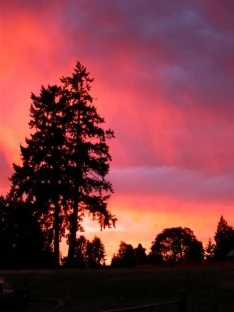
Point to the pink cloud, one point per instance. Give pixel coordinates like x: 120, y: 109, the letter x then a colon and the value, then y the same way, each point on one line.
x: 163, y: 80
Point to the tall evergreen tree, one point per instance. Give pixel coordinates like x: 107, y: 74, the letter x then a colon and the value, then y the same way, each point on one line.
x: 40, y: 179
x: 88, y: 155
x: 224, y: 239
x: 65, y: 161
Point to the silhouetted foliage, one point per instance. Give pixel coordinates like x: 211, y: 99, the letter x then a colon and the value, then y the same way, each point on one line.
x: 88, y: 157
x: 140, y: 254
x: 224, y: 239
x: 23, y: 244
x: 88, y: 254
x: 40, y: 179
x: 155, y: 258
x: 5, y: 234
x: 80, y: 252
x: 65, y: 161
x: 95, y: 253
x: 125, y: 258
x: 80, y: 259
x: 209, y: 250
x: 177, y: 245
x: 196, y: 251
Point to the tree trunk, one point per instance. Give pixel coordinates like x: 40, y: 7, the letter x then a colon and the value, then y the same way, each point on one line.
x: 56, y: 235
x: 72, y: 236
x: 74, y: 225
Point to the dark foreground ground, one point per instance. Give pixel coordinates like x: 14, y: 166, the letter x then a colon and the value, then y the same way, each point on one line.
x: 83, y: 307
x: 209, y: 289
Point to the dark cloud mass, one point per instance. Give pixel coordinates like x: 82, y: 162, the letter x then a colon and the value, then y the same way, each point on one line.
x: 180, y: 183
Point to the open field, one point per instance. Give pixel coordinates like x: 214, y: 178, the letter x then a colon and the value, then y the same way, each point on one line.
x: 209, y: 289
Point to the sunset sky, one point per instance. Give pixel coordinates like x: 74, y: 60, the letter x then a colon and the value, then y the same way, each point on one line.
x: 164, y: 81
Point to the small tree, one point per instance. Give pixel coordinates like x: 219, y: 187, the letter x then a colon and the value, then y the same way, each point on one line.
x: 140, y: 255
x: 177, y: 245
x: 88, y: 254
x: 209, y: 250
x: 116, y: 262
x: 95, y: 253
x: 81, y: 252
x: 196, y: 251
x: 224, y: 239
x: 25, y: 244
x: 125, y: 256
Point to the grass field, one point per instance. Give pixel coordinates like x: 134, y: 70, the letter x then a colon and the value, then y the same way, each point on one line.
x: 209, y: 289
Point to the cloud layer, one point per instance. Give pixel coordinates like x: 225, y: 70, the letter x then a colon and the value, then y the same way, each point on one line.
x: 164, y: 76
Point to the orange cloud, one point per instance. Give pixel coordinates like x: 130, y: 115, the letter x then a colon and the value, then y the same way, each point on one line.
x: 164, y: 82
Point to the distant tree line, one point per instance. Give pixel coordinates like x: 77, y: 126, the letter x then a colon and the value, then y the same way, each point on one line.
x: 24, y: 244
x: 178, y: 245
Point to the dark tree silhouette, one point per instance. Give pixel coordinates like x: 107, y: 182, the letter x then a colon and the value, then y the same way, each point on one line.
x: 31, y: 250
x: 80, y: 259
x: 65, y: 161
x: 155, y: 258
x: 177, y: 245
x: 224, y: 239
x: 209, y: 250
x: 88, y: 155
x: 116, y: 262
x: 140, y: 254
x: 88, y: 254
x: 40, y: 178
x: 95, y: 253
x: 23, y: 244
x: 196, y: 251
x: 125, y: 257
x: 5, y: 235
